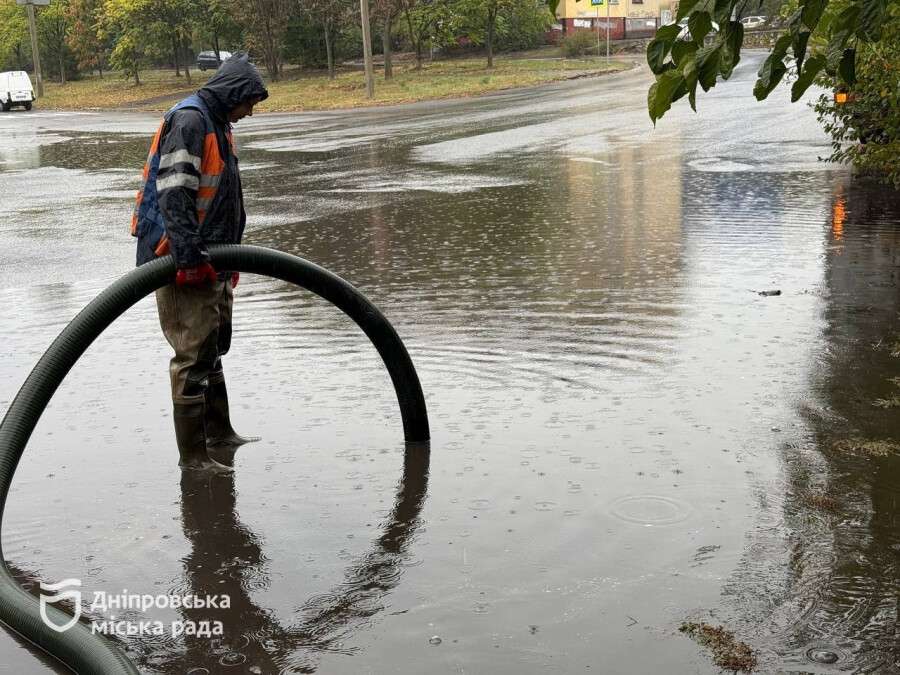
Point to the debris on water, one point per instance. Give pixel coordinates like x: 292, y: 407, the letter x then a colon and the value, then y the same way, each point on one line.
x: 870, y: 448
x: 776, y: 291
x: 728, y: 652
x: 256, y: 670
x: 435, y: 640
x: 892, y: 402
x: 822, y: 656
x: 532, y: 629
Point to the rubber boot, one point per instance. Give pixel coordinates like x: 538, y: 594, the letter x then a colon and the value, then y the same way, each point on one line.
x: 219, y: 432
x: 190, y: 434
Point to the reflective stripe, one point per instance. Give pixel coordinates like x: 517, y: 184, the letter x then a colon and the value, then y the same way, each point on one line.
x: 204, y: 204
x: 172, y: 158
x: 178, y: 180
x: 210, y: 180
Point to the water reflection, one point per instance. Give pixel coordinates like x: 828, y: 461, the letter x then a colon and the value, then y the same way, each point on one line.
x: 837, y: 515
x: 228, y: 558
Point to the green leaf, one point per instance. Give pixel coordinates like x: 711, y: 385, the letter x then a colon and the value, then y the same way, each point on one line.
x: 552, y: 5
x: 834, y: 52
x: 684, y: 9
x: 657, y: 51
x: 690, y: 80
x: 659, y: 47
x: 680, y: 91
x: 813, y: 65
x: 871, y: 19
x: 731, y: 49
x: 798, y: 45
x: 780, y: 48
x: 847, y: 67
x: 722, y: 11
x: 683, y: 49
x: 708, y: 66
x: 847, y: 20
x: 668, y: 33
x: 770, y: 74
x: 811, y: 12
x: 659, y: 98
x: 699, y: 25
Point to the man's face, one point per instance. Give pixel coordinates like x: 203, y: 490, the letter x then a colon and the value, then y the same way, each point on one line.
x: 242, y: 110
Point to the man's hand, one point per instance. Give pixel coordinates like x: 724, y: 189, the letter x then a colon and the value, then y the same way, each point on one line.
x: 196, y: 276
x: 235, y: 278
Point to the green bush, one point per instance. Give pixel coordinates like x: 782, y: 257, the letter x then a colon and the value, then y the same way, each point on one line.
x: 865, y: 131
x: 579, y: 43
x: 523, y: 26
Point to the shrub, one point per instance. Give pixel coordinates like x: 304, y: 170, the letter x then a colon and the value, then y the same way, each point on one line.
x: 579, y: 43
x: 865, y: 131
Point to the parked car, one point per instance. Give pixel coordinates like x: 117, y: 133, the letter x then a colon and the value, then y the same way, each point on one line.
x: 15, y: 89
x: 754, y: 21
x: 206, y: 60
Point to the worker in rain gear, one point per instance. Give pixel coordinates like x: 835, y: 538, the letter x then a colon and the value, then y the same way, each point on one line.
x: 190, y: 197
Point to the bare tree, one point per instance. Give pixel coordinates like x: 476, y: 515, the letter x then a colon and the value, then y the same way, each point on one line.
x: 386, y: 12
x: 328, y: 14
x: 266, y: 23
x: 422, y: 17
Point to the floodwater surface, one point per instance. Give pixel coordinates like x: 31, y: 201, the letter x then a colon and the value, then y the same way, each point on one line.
x: 627, y: 435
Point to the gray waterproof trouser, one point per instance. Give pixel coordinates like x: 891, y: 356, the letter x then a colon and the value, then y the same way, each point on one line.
x: 197, y: 324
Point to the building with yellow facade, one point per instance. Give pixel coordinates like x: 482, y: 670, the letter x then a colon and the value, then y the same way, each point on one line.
x: 626, y: 18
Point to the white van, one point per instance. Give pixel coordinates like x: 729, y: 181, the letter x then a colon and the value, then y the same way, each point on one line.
x: 15, y: 89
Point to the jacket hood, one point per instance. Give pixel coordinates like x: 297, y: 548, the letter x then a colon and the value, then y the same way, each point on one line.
x: 237, y: 80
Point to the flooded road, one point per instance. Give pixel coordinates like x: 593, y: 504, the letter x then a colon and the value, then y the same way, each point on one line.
x: 626, y: 434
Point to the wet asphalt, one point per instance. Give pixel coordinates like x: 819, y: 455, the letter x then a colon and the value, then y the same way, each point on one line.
x: 626, y: 434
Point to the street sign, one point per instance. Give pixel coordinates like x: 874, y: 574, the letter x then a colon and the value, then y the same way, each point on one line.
x: 32, y: 2
x: 594, y: 3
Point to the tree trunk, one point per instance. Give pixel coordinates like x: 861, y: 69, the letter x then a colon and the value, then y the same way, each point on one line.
x: 329, y: 49
x: 187, y: 60
x: 386, y: 48
x: 492, y: 19
x: 417, y: 40
x: 175, y: 56
x: 62, y: 67
x: 216, y: 46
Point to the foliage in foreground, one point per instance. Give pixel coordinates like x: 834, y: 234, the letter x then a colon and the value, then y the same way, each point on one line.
x: 848, y: 45
x: 821, y: 36
x: 865, y: 131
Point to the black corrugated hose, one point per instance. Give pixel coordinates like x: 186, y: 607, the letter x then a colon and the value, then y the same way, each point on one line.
x: 78, y: 648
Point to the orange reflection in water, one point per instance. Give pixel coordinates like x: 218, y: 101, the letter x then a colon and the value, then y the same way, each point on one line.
x: 838, y: 214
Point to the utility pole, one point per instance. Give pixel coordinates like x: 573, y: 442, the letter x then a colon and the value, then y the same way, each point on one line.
x: 607, y: 32
x: 35, y: 56
x: 367, y: 48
